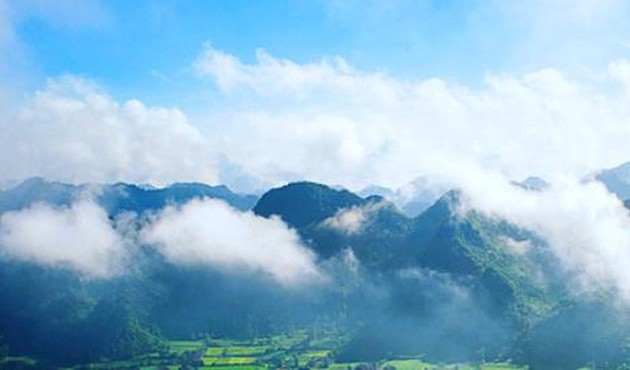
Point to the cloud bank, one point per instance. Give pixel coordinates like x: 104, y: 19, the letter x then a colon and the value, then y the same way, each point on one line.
x: 73, y: 131
x: 200, y: 233
x: 80, y: 237
x: 324, y: 121
x: 587, y: 228
x: 209, y: 232
x: 332, y: 123
x: 327, y: 121
x: 358, y: 128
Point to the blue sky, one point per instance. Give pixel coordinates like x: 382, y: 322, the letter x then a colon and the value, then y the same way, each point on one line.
x: 418, y: 39
x: 129, y: 45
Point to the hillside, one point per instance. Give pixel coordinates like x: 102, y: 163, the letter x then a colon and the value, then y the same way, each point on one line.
x: 439, y: 239
x: 448, y: 283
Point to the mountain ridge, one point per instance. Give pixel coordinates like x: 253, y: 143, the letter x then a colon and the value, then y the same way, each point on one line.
x: 117, y: 197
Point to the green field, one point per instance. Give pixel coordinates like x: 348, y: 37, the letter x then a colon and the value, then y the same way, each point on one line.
x: 343, y: 366
x: 235, y: 367
x: 421, y: 365
x: 289, y: 351
x: 228, y: 361
x: 181, y: 346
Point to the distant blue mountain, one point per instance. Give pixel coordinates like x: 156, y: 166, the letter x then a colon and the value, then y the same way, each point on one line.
x: 533, y: 183
x: 617, y: 180
x: 116, y: 198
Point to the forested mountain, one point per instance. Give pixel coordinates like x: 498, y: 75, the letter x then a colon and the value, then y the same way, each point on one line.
x: 617, y: 180
x: 448, y: 283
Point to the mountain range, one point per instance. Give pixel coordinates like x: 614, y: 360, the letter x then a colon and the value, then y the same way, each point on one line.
x: 116, y: 198
x: 446, y: 282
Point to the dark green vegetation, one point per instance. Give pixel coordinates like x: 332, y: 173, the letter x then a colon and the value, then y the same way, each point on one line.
x: 301, y: 349
x: 304, y: 203
x: 448, y: 286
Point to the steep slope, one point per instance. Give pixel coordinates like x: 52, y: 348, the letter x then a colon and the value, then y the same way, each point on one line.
x: 375, y: 231
x: 617, y: 180
x: 508, y: 261
x: 35, y: 190
x: 501, y: 259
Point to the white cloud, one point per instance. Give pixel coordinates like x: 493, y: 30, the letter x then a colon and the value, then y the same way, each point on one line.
x: 209, y: 232
x: 202, y: 232
x: 272, y: 75
x: 343, y: 126
x: 587, y: 227
x: 349, y: 221
x: 517, y: 247
x: 73, y: 131
x: 573, y: 34
x: 584, y: 13
x: 329, y: 122
x: 326, y: 121
x: 352, y: 220
x: 79, y: 237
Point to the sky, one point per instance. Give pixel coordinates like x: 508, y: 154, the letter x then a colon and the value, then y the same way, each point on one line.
x: 351, y: 93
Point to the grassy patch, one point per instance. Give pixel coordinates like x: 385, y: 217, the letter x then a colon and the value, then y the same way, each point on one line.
x: 180, y: 346
x: 343, y: 365
x: 502, y: 367
x: 234, y: 368
x: 246, y: 350
x: 421, y: 365
x: 19, y: 359
x: 408, y: 364
x: 228, y: 361
x: 215, y: 351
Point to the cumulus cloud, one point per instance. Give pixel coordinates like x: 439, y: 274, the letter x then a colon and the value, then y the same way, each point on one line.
x: 276, y: 76
x: 325, y: 121
x: 79, y: 237
x: 329, y: 122
x: 355, y: 128
x: 73, y: 131
x: 209, y: 232
x: 587, y: 228
x: 202, y: 232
